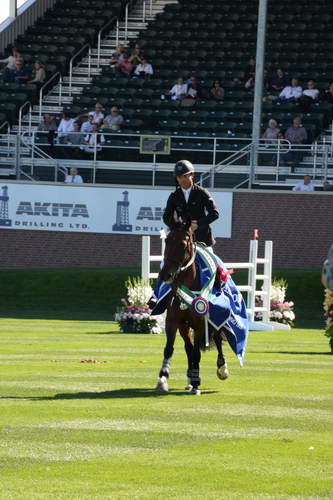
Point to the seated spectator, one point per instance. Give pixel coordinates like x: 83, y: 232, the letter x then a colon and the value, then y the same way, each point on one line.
x: 309, y: 96
x: 304, y: 185
x: 93, y: 139
x: 75, y: 140
x: 98, y: 115
x: 114, y: 121
x: 292, y: 92
x: 327, y: 186
x: 125, y: 67
x: 17, y: 75
x: 280, y: 158
x: 279, y: 80
x: 65, y: 127
x: 119, y: 53
x: 271, y: 133
x: 193, y: 92
x: 136, y: 57
x: 144, y: 69
x: 73, y: 177
x: 11, y: 60
x: 250, y: 70
x: 296, y: 134
x: 49, y: 126
x: 38, y: 74
x: 179, y: 90
x: 328, y: 94
x: 87, y: 125
x: 217, y: 91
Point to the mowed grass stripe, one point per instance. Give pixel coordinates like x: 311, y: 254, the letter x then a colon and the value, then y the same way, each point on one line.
x: 72, y: 430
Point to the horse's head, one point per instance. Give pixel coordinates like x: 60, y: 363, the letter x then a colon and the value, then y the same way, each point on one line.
x: 178, y: 253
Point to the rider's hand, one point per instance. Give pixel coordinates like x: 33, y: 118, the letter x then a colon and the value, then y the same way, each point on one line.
x: 194, y: 225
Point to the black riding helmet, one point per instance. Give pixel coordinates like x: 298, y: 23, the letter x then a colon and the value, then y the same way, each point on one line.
x: 183, y: 167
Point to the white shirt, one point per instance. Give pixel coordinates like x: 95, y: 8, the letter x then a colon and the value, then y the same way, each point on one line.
x: 187, y: 193
x: 146, y: 68
x: 65, y: 127
x: 75, y: 179
x: 311, y: 93
x: 86, y: 127
x: 91, y: 139
x: 177, y: 90
x: 303, y: 187
x: 289, y: 92
x: 11, y: 62
x: 97, y: 117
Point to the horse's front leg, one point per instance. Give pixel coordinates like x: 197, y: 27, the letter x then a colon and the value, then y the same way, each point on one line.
x: 194, y: 372
x: 184, y: 331
x: 222, y: 369
x: 170, y: 330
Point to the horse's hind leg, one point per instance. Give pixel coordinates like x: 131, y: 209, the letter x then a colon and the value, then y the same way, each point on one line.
x: 162, y: 382
x: 222, y: 369
x: 184, y: 331
x: 194, y: 372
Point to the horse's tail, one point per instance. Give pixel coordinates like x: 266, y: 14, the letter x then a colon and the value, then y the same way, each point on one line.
x: 211, y: 343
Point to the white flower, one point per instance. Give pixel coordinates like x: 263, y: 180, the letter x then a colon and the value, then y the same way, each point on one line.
x: 276, y: 315
x: 278, y: 293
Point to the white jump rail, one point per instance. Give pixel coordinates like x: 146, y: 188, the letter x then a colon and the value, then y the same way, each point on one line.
x: 250, y: 289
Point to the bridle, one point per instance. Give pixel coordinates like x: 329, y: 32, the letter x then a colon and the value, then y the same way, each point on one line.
x: 190, y: 246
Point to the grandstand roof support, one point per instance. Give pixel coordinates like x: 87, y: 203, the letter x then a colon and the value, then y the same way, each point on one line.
x: 258, y: 88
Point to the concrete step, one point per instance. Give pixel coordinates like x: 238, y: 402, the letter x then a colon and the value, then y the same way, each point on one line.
x: 136, y: 25
x: 83, y: 71
x: 122, y: 34
x: 55, y: 99
x: 81, y: 80
x: 65, y: 90
x: 94, y: 61
x: 25, y: 128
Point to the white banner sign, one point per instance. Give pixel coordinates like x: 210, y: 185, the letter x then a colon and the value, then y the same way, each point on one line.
x: 93, y: 209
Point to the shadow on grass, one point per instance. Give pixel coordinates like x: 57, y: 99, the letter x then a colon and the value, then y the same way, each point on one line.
x: 117, y: 394
x: 302, y: 353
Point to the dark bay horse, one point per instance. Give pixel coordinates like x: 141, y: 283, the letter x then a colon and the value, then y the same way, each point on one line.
x: 180, y: 269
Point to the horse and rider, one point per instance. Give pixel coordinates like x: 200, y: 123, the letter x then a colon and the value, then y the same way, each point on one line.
x: 201, y: 300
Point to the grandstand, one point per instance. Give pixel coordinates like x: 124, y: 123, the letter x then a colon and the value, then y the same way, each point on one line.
x: 211, y: 40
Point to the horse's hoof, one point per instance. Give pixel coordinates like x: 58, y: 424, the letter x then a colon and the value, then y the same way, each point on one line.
x: 162, y: 385
x: 195, y: 392
x: 189, y: 387
x: 222, y: 372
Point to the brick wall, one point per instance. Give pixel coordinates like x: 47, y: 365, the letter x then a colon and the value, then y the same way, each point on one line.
x: 300, y: 225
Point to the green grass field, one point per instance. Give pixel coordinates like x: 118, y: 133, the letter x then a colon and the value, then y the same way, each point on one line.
x: 76, y: 430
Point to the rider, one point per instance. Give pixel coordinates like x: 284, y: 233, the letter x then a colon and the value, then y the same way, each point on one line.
x: 191, y: 201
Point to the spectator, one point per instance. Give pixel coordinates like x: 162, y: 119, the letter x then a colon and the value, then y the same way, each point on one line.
x: 98, y: 115
x: 38, y: 74
x: 87, y: 125
x: 114, y: 121
x: 136, y: 57
x: 217, y: 91
x: 17, y: 75
x: 125, y: 67
x: 144, y: 69
x: 93, y: 139
x: 119, y: 53
x: 65, y: 127
x: 271, y: 133
x: 327, y: 186
x: 328, y: 95
x: 304, y: 185
x: 75, y: 140
x: 296, y: 134
x: 292, y: 92
x: 49, y: 126
x: 279, y: 80
x: 250, y: 70
x: 280, y: 158
x: 73, y: 177
x: 11, y: 60
x: 179, y: 90
x: 310, y: 95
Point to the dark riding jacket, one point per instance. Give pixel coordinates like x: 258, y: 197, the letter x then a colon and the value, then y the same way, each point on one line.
x: 200, y: 207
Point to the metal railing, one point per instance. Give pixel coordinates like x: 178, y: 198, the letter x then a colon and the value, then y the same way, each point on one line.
x: 86, y: 46
x: 46, y: 84
x: 8, y: 126
x: 272, y: 163
x: 25, y: 18
x: 99, y: 38
x: 24, y: 105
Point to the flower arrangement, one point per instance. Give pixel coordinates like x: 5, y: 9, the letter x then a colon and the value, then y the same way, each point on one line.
x: 281, y: 311
x: 133, y: 316
x: 328, y: 308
